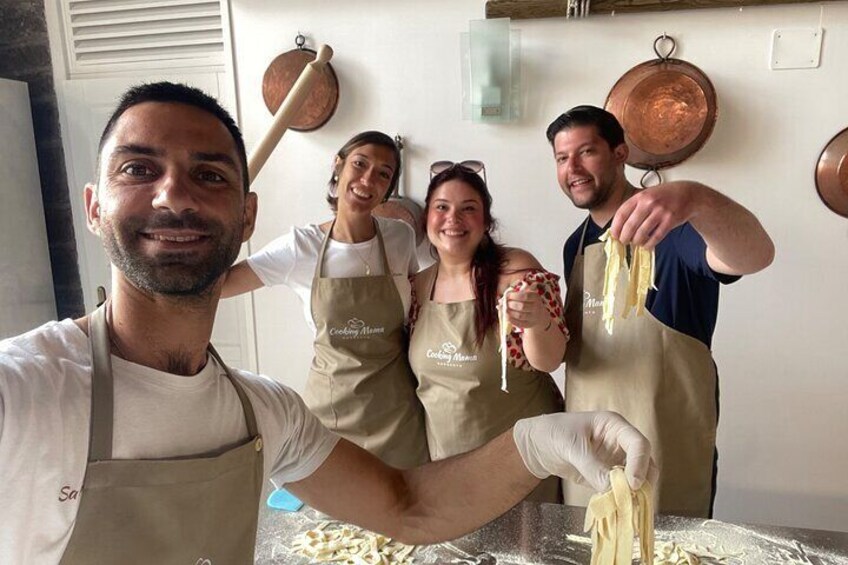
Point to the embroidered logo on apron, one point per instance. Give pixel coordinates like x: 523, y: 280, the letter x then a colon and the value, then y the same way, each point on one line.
x: 356, y: 329
x: 448, y: 356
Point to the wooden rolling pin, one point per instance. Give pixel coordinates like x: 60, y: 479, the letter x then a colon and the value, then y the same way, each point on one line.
x: 287, y: 111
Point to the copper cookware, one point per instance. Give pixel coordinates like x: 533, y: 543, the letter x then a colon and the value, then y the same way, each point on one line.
x: 667, y: 108
x: 832, y: 174
x: 402, y: 208
x: 281, y: 76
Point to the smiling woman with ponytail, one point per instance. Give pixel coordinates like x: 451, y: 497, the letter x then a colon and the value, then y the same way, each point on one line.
x: 350, y: 273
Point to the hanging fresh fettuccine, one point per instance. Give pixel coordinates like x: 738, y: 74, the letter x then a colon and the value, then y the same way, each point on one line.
x: 505, y: 329
x: 615, y: 516
x: 640, y: 278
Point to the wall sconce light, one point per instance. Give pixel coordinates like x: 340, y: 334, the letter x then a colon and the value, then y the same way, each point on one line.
x: 490, y: 63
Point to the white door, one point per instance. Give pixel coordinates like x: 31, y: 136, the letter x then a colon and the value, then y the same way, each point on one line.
x: 88, y: 104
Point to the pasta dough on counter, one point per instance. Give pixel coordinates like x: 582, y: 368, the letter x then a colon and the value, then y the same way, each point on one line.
x: 615, y: 516
x: 342, y: 543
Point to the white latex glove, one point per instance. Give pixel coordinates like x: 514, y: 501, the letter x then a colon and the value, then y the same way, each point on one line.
x: 583, y: 447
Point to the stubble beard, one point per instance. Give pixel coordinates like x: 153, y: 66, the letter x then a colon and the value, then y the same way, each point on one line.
x: 171, y: 274
x: 599, y: 197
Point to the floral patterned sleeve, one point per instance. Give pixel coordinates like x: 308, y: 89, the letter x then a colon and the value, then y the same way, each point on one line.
x: 547, y: 285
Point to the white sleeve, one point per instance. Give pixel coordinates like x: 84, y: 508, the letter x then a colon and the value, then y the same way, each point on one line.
x: 306, y: 445
x: 295, y: 440
x: 414, y: 267
x: 274, y: 262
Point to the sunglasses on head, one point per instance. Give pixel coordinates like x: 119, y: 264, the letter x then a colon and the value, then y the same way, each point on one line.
x: 472, y: 166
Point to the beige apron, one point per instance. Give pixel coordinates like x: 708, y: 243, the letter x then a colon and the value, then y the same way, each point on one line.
x: 360, y: 384
x: 182, y: 510
x: 663, y: 381
x: 459, y: 382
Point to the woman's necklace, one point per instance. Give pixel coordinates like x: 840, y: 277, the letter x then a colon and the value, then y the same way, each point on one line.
x: 365, y: 261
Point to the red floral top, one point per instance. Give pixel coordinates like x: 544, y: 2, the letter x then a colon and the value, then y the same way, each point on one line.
x: 543, y: 282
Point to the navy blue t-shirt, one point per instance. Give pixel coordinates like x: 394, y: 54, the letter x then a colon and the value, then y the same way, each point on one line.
x: 686, y: 298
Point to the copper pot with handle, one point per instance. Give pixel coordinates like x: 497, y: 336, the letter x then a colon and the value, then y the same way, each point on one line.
x: 667, y: 108
x: 280, y: 77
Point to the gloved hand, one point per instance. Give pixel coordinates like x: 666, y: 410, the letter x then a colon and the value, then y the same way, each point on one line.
x: 583, y: 447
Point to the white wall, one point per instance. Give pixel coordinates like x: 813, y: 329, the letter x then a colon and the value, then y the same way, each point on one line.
x: 782, y: 334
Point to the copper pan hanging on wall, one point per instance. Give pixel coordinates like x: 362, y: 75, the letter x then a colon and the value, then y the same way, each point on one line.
x: 281, y: 76
x: 832, y: 174
x: 667, y: 108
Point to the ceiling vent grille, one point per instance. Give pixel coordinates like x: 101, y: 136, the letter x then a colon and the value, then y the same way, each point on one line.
x: 123, y: 35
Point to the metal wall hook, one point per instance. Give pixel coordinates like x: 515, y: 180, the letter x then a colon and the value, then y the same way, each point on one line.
x: 662, y: 38
x: 300, y: 40
x: 644, y: 180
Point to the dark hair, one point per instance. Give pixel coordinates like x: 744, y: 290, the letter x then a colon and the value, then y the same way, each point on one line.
x: 607, y: 125
x: 489, y: 257
x: 166, y: 92
x: 365, y: 138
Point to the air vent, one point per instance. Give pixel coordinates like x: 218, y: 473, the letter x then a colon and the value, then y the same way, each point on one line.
x: 120, y: 35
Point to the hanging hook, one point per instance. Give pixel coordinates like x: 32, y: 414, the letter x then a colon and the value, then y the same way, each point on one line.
x: 299, y: 40
x: 644, y: 180
x: 662, y: 38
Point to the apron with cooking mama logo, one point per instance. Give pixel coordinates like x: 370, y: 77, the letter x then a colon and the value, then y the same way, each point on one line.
x: 360, y: 384
x: 199, y: 509
x: 661, y: 380
x: 459, y: 382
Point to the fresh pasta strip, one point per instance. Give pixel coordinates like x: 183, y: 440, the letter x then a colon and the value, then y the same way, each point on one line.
x: 616, y: 258
x: 614, y: 517
x: 342, y: 543
x: 505, y: 329
x: 640, y: 278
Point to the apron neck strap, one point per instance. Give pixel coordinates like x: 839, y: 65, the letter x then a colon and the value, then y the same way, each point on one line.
x: 430, y: 283
x: 102, y: 389
x: 249, y: 416
x: 583, y: 235
x: 102, y: 394
x: 319, y: 266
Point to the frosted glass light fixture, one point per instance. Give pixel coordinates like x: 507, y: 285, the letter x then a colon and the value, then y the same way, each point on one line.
x: 490, y: 65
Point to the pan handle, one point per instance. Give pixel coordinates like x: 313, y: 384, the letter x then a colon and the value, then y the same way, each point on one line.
x: 399, y: 144
x: 663, y: 38
x: 657, y: 176
x: 288, y: 111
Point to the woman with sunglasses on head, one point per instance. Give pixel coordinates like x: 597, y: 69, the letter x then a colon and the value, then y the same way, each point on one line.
x: 351, y: 274
x: 454, y: 328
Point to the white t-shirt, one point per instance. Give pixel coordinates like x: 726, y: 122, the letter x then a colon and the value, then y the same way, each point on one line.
x: 45, y: 406
x: 290, y: 260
